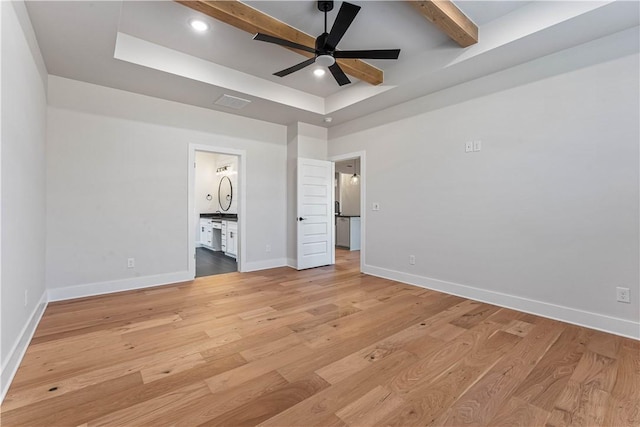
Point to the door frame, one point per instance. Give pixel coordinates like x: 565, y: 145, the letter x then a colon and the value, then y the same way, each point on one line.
x: 362, y: 157
x: 242, y: 217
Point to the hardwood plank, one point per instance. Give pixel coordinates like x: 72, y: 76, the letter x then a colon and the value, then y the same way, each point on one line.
x: 597, y: 370
x: 433, y: 397
x: 171, y: 367
x: 201, y: 410
x: 324, y: 404
x: 241, y: 374
x: 21, y: 395
x: 53, y: 411
x: 519, y: 328
x: 544, y: 384
x: 441, y: 358
x: 517, y: 412
x: 579, y: 405
x: 479, y: 407
x: 623, y: 407
x: 371, y: 407
x: 270, y: 404
x: 475, y: 316
x: 144, y: 413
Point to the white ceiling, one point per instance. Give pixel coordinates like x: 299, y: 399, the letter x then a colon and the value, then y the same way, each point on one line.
x: 160, y: 55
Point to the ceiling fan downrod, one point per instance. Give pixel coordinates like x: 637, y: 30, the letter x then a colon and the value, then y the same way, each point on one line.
x: 325, y: 6
x: 323, y: 57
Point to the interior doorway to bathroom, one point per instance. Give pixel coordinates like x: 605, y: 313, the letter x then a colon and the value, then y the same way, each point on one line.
x: 215, y: 211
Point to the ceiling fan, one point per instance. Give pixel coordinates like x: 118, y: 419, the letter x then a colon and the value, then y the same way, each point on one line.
x: 325, y: 53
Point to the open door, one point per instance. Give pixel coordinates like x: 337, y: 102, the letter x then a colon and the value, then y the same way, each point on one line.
x: 315, y: 213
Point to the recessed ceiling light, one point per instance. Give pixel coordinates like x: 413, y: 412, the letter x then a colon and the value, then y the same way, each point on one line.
x: 319, y: 72
x: 198, y: 25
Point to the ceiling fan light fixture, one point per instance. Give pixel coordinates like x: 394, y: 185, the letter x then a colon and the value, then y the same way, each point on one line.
x: 319, y: 72
x: 325, y: 60
x: 198, y: 25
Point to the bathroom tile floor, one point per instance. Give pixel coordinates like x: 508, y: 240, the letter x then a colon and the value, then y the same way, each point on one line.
x: 209, y: 262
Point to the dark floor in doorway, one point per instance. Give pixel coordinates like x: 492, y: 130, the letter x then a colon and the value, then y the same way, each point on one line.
x: 210, y: 262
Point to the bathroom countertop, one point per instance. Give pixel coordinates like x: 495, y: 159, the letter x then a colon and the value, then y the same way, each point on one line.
x: 221, y: 216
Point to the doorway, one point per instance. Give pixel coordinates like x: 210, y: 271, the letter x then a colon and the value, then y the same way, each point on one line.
x: 350, y: 203
x: 216, y: 210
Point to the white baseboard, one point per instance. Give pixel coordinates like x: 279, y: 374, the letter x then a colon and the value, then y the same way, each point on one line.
x: 263, y: 265
x: 614, y: 325
x: 100, y: 288
x: 10, y: 367
x: 293, y: 263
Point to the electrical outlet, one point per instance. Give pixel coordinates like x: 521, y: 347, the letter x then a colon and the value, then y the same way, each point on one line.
x: 622, y: 295
x: 412, y: 259
x: 375, y: 206
x: 468, y: 146
x: 131, y: 263
x: 477, y: 145
x: 268, y: 248
x: 26, y: 297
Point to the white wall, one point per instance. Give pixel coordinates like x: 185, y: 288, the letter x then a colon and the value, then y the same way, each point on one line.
x: 205, y: 185
x: 543, y: 219
x: 23, y: 187
x: 117, y: 173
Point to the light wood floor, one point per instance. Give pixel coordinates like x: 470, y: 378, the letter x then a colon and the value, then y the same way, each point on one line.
x: 325, y: 347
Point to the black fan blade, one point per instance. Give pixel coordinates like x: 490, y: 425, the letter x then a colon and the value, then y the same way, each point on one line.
x: 339, y: 75
x: 346, y: 15
x: 295, y: 68
x: 282, y: 42
x: 368, y: 54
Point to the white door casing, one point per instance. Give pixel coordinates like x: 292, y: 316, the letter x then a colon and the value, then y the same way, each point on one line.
x: 315, y: 213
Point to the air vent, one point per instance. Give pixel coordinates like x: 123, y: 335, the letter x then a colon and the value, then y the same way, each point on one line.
x: 232, y: 102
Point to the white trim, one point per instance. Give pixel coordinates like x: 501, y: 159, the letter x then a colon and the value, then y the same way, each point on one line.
x: 109, y: 287
x: 242, y: 203
x: 291, y: 262
x: 601, y: 322
x: 265, y: 265
x: 14, y: 358
x: 362, y: 155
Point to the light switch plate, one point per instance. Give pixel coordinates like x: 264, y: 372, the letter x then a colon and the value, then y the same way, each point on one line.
x: 477, y: 145
x: 375, y: 206
x: 468, y: 146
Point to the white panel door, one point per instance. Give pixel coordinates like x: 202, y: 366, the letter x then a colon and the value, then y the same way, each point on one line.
x: 315, y: 213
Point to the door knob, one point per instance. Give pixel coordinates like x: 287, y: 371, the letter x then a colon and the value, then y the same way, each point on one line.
x: 301, y: 219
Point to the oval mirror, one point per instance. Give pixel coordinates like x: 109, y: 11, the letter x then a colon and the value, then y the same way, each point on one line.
x: 225, y: 193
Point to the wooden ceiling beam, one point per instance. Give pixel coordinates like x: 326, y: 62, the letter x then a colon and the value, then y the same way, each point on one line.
x: 244, y: 17
x: 446, y: 16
